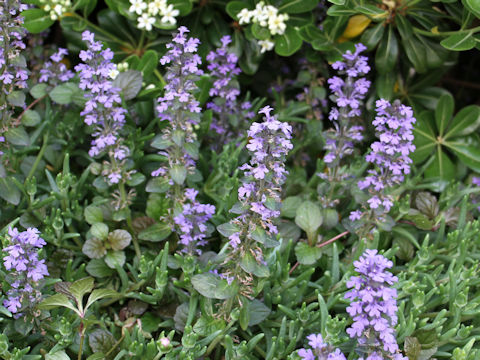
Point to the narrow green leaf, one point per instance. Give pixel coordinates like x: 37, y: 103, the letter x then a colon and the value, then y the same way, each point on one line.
x: 98, y: 294
x: 460, y: 41
x: 465, y: 122
x: 387, y: 52
x: 444, y: 112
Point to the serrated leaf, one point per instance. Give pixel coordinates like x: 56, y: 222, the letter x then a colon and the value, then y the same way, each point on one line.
x: 119, y: 239
x: 130, y: 82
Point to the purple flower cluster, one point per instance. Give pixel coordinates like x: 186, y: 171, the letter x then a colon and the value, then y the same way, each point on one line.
x: 25, y: 267
x: 12, y: 73
x: 373, y: 306
x: 191, y: 222
x: 55, y: 71
x: 320, y: 350
x: 393, y: 125
x: 223, y: 68
x: 103, y: 108
x: 260, y: 192
x: 348, y: 95
x: 178, y: 106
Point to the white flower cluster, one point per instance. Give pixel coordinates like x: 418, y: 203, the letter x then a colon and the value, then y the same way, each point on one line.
x: 266, y: 16
x: 148, y: 11
x: 117, y: 70
x: 56, y: 8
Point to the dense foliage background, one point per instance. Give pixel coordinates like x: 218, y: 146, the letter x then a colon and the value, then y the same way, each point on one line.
x: 130, y: 164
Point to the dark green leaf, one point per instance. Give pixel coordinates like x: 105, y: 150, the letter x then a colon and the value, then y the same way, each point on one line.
x: 288, y: 43
x: 31, y: 118
x: 444, y: 112
x: 55, y: 301
x: 155, y: 233
x: 94, y: 248
x: 473, y: 6
x: 465, y: 122
x: 130, y: 82
x: 234, y: 7
x: 93, y: 214
x: 371, y: 37
x: 460, y: 41
x: 307, y: 255
x: 98, y: 294
x: 119, y: 239
x: 290, y: 206
x: 18, y: 136
x: 36, y: 20
x: 227, y: 229
x: 468, y: 154
x: 258, y: 312
x: 148, y: 63
x: 441, y: 167
x: 16, y: 98
x: 98, y: 268
x: 297, y: 6
x: 114, y: 258
x: 387, y: 52
x: 425, y: 137
x: 213, y: 287
x: 9, y: 191
x: 309, y: 217
x: 99, y: 230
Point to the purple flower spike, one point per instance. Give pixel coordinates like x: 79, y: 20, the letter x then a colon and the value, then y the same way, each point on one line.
x: 192, y: 222
x: 178, y: 105
x: 394, y: 126
x: 55, y: 72
x: 25, y: 267
x: 103, y: 108
x: 348, y: 95
x: 223, y: 68
x: 373, y: 306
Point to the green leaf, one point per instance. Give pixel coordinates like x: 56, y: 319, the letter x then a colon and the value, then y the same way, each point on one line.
x: 420, y: 220
x: 55, y: 301
x: 18, y: 136
x: 260, y: 235
x: 460, y: 41
x: 441, y: 167
x: 297, y: 6
x: 213, y: 287
x: 387, y: 52
x: 31, y: 118
x: 260, y: 32
x: 290, y: 206
x: 63, y: 94
x: 79, y: 288
x: 227, y: 229
x: 156, y: 232
x: 157, y: 185
x: 93, y: 214
x: 39, y: 90
x: 98, y: 268
x: 444, y: 112
x: 58, y: 355
x: 473, y: 6
x: 119, y: 239
x: 250, y: 265
x: 9, y: 191
x: 465, y: 122
x: 425, y: 137
x: 468, y: 154
x: 258, y: 312
x: 94, y: 248
x: 36, y: 20
x: 307, y: 255
x: 178, y: 174
x: 114, y: 258
x: 130, y: 82
x: 98, y: 294
x: 309, y: 218
x: 371, y: 37
x: 99, y: 230
x: 234, y: 7
x: 16, y: 98
x: 288, y: 43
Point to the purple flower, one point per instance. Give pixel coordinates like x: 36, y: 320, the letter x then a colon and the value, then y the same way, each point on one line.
x: 348, y: 95
x: 55, y: 71
x: 178, y: 105
x: 320, y: 350
x: 191, y: 222
x: 373, y: 305
x: 269, y: 144
x: 103, y: 108
x: 393, y: 125
x: 25, y: 267
x: 222, y: 65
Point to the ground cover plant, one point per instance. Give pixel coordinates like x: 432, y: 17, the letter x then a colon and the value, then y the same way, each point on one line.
x: 291, y: 179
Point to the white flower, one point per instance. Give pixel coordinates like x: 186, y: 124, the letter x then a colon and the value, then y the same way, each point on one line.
x: 244, y: 16
x: 169, y: 15
x: 145, y: 22
x: 276, y: 25
x: 58, y: 9
x: 157, y: 6
x: 266, y: 45
x: 270, y: 10
x: 137, y: 6
x: 113, y: 73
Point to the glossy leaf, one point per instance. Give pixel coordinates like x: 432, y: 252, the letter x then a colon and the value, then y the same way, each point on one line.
x: 36, y: 20
x: 460, y: 41
x: 288, y: 43
x: 441, y: 167
x: 297, y: 6
x: 213, y: 287
x: 387, y: 52
x: 465, y: 122
x: 444, y: 112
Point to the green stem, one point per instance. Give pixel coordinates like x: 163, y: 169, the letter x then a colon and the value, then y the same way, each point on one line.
x: 39, y: 156
x: 82, y: 339
x: 160, y: 77
x: 123, y: 195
